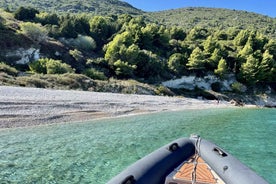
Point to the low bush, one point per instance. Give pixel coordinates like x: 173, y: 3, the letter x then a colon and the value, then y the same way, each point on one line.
x: 38, y: 66
x: 164, y: 91
x: 62, y: 81
x: 81, y: 42
x: 74, y: 81
x: 57, y: 67
x: 32, y: 81
x: 25, y: 13
x: 8, y: 69
x: 95, y: 74
x: 34, y: 31
x: 238, y: 87
x: 50, y: 66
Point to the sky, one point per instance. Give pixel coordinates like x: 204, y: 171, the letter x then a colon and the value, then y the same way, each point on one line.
x: 264, y: 7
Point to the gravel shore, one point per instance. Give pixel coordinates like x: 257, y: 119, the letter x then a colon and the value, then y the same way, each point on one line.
x: 32, y: 106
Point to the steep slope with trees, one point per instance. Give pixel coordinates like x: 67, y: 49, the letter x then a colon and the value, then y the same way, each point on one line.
x: 188, y: 18
x: 89, y: 52
x: 96, y: 7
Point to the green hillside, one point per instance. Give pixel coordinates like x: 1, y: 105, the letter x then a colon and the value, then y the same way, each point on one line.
x: 99, y: 7
x: 54, y: 49
x: 188, y: 18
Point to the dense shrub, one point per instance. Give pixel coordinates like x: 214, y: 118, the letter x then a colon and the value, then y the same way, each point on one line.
x: 38, y: 66
x: 177, y: 63
x: 46, y: 18
x: 81, y: 42
x: 94, y: 74
x: 25, y: 13
x: 57, y: 67
x: 50, y: 66
x: 34, y: 31
x: 67, y: 29
x: 85, y: 43
x: 238, y: 87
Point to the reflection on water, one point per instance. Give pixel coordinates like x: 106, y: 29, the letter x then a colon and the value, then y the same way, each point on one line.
x: 93, y: 152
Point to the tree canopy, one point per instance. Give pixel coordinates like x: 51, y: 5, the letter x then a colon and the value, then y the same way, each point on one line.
x: 131, y: 47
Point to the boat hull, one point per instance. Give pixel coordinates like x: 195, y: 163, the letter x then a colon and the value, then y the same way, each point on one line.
x: 158, y: 167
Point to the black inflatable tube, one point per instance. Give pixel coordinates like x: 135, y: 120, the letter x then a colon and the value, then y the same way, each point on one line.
x: 153, y: 168
x: 230, y: 169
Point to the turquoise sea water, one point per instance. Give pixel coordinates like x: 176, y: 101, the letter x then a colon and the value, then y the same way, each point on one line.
x: 93, y: 152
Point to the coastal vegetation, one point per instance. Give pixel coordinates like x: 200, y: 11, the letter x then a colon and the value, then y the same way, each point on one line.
x: 218, y: 18
x: 96, y: 7
x: 92, y: 51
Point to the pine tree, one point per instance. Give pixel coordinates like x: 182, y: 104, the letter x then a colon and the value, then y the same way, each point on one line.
x: 209, y: 45
x: 101, y: 29
x: 215, y: 57
x: 222, y: 68
x: 117, y: 46
x: 177, y: 63
x: 196, y: 60
x: 250, y: 69
x: 242, y: 37
x: 246, y: 51
x: 67, y: 28
x: 177, y: 33
x: 25, y: 13
x: 271, y: 47
x: 267, y: 68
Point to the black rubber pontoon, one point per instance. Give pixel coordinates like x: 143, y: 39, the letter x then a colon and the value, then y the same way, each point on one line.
x: 157, y: 167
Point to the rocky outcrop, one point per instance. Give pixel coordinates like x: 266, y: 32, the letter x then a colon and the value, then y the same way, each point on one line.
x: 226, y: 90
x: 24, y: 56
x: 236, y: 102
x: 267, y: 100
x: 204, y: 83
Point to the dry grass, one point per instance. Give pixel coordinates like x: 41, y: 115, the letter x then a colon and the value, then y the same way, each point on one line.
x: 81, y: 82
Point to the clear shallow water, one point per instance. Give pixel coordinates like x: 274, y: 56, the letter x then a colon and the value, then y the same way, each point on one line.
x: 93, y: 152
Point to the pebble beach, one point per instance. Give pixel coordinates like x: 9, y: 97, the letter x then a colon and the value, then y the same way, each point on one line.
x: 20, y: 107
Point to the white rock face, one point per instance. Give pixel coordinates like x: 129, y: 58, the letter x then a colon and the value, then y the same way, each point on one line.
x: 266, y: 100
x: 186, y: 82
x: 26, y: 55
x: 191, y: 82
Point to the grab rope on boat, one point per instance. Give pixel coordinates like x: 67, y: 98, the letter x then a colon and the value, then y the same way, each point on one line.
x: 195, y: 161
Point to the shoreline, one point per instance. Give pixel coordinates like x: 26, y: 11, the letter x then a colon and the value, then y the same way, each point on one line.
x: 21, y: 107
